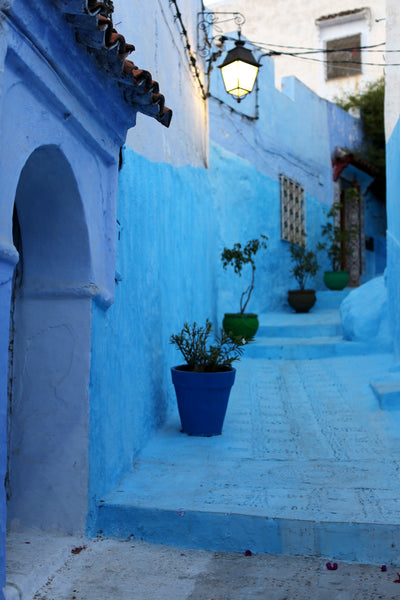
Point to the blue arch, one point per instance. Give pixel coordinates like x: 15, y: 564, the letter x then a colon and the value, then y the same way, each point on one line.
x: 55, y: 240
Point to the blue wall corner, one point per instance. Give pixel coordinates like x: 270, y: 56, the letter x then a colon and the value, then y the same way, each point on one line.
x: 166, y: 248
x: 393, y: 233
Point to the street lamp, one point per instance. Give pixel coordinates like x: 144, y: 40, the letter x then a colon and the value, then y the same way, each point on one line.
x: 239, y: 71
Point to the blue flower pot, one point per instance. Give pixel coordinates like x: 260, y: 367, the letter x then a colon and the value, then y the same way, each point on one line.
x: 202, y: 399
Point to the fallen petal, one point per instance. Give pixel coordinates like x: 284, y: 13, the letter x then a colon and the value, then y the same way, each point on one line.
x: 331, y: 567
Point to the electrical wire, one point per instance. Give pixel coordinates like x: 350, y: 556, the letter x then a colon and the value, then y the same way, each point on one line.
x: 316, y: 50
x: 302, y: 51
x: 188, y: 49
x: 344, y: 62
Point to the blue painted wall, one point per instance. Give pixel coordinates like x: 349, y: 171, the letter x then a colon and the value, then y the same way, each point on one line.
x: 6, y: 271
x: 393, y: 233
x: 166, y: 274
x: 345, y: 131
x: 248, y: 204
x: 290, y: 136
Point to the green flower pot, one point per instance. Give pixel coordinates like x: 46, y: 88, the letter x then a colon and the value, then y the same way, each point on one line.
x: 238, y: 325
x: 336, y: 280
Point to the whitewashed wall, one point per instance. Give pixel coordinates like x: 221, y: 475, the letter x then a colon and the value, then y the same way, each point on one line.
x: 155, y: 33
x: 392, y: 95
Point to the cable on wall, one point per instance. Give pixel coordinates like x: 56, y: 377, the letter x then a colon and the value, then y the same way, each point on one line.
x: 188, y: 48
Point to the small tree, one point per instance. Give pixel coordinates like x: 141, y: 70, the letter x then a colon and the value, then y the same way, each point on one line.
x: 336, y: 244
x: 305, y: 264
x: 370, y: 102
x: 237, y: 257
x: 200, y: 355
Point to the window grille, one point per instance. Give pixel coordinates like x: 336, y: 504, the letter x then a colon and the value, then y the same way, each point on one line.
x: 345, y: 60
x: 292, y: 211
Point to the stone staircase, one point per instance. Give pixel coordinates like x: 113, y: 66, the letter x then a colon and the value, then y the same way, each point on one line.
x: 286, y: 336
x: 317, y: 334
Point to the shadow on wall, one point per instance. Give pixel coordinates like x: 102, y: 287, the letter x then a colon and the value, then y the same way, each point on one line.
x: 51, y: 312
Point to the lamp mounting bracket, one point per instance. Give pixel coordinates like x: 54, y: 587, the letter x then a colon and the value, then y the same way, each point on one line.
x: 210, y: 32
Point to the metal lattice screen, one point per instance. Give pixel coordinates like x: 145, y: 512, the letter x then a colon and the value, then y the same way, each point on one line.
x: 292, y: 211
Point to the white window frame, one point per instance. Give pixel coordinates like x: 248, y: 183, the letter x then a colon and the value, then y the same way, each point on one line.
x: 341, y: 26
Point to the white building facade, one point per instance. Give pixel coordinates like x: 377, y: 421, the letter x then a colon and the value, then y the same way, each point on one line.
x: 289, y: 28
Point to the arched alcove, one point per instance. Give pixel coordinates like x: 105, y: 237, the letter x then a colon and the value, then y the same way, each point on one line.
x: 50, y: 362
x: 52, y: 221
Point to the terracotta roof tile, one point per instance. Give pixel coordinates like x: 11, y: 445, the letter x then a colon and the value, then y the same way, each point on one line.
x: 93, y: 26
x: 344, y: 13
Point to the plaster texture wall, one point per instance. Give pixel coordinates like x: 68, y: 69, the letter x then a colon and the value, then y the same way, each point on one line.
x: 9, y: 258
x: 289, y: 23
x: 50, y: 416
x: 392, y: 125
x: 161, y: 47
x: 6, y: 272
x: 166, y: 275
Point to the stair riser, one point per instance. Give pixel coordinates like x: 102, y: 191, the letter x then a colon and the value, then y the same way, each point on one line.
x: 352, y: 542
x: 308, y: 331
x: 300, y: 352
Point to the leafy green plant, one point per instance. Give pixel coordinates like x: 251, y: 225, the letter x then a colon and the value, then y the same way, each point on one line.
x: 237, y: 257
x: 370, y: 102
x: 202, y: 357
x: 305, y: 264
x: 336, y: 239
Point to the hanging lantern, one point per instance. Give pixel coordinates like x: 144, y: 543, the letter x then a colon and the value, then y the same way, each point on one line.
x: 239, y: 71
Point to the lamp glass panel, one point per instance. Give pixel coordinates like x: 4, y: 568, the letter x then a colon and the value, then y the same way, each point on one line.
x: 239, y: 78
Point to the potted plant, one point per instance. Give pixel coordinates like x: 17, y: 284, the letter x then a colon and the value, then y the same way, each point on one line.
x: 337, y: 247
x: 305, y: 265
x: 203, y: 383
x: 241, y: 324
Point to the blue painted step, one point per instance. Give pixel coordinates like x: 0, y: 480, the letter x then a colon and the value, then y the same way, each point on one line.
x: 313, y: 335
x: 319, y: 323
x: 292, y: 348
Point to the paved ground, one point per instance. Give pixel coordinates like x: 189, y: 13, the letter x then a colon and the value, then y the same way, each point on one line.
x: 132, y: 570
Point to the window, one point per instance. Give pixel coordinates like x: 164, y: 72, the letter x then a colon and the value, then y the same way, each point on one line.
x: 292, y: 211
x: 343, y: 57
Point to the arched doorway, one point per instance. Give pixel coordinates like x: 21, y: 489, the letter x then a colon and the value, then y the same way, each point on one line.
x: 50, y: 361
